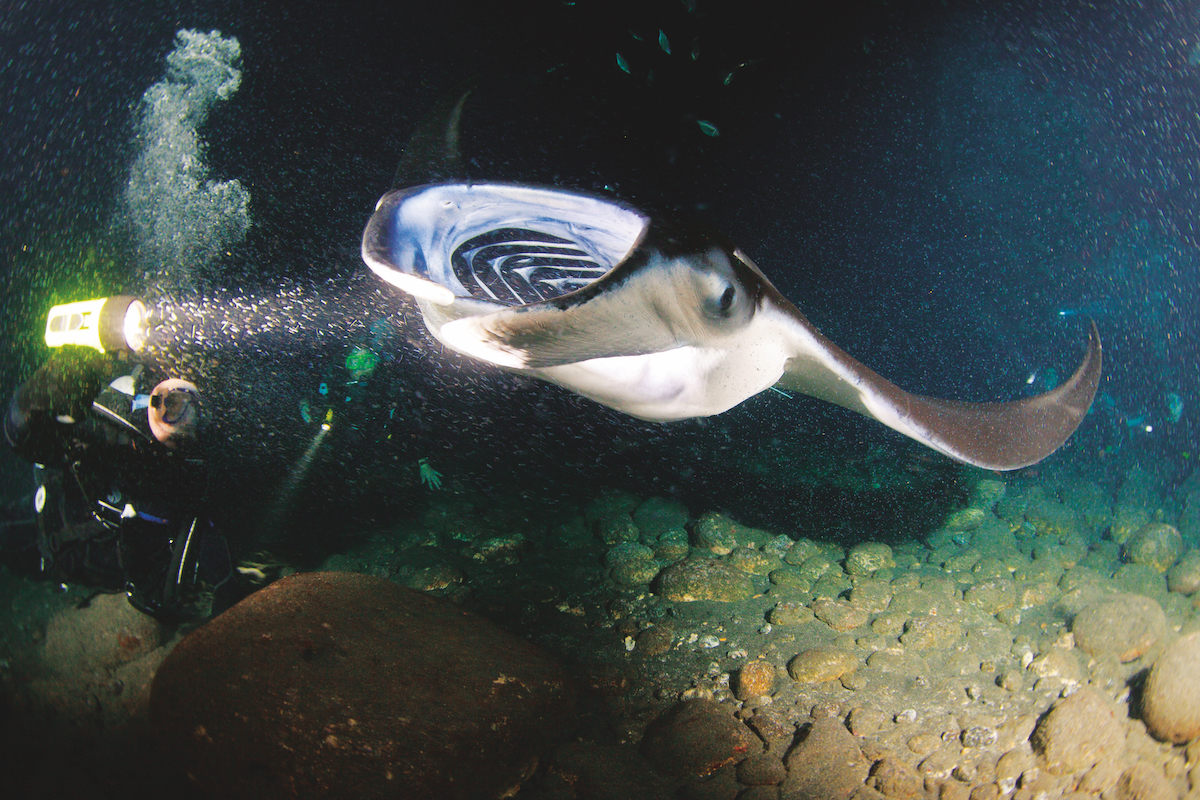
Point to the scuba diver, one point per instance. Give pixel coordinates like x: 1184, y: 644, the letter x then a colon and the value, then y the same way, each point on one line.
x: 120, y: 484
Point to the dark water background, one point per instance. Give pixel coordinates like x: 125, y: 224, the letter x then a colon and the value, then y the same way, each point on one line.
x: 932, y: 183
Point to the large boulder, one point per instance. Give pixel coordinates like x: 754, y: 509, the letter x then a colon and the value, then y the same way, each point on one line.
x: 826, y: 764
x: 1171, y: 698
x: 329, y: 685
x: 1078, y: 732
x: 697, y: 737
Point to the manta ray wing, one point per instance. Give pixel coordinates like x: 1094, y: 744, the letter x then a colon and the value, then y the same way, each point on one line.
x: 999, y: 436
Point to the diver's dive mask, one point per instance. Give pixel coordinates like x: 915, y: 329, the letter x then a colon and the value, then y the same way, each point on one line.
x: 173, y: 405
x: 174, y: 410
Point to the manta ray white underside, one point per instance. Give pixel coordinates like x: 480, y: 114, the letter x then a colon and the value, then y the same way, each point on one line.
x: 660, y: 321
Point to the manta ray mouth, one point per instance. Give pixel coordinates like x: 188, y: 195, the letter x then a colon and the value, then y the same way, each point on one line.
x: 503, y: 244
x: 516, y: 266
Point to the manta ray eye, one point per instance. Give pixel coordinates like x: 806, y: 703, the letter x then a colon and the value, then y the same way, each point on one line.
x: 727, y: 299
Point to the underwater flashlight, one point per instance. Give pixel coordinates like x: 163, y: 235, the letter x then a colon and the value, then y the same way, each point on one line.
x: 109, y: 323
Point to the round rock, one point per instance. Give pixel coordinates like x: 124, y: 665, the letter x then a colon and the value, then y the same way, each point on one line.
x: 967, y: 519
x: 704, y: 579
x: 755, y: 679
x: 1077, y: 732
x: 1124, y: 625
x: 826, y: 764
x: 1184, y: 577
x: 821, y: 664
x: 869, y: 557
x: 697, y: 737
x: 1157, y: 545
x: 1171, y: 699
x: 335, y: 684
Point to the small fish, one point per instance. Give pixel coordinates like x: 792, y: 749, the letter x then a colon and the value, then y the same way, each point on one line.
x: 623, y: 64
x: 708, y: 128
x: 663, y: 43
x: 728, y: 79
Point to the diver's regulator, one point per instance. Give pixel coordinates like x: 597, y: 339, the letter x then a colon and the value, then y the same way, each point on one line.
x: 118, y: 323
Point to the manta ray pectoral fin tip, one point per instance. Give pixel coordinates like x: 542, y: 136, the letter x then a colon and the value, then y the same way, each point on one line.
x: 995, y: 436
x: 1033, y: 429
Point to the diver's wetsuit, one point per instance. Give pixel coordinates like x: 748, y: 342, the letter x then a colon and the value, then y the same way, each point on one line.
x: 116, y: 510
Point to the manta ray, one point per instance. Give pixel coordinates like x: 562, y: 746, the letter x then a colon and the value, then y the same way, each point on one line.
x: 658, y: 318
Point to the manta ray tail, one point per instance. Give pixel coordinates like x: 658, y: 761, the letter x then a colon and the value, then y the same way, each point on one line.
x: 998, y: 436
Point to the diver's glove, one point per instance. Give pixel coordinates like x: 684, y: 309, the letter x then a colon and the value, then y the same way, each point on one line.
x: 429, y: 476
x: 64, y: 387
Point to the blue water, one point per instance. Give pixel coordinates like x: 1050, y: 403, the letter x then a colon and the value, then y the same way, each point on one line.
x: 947, y: 190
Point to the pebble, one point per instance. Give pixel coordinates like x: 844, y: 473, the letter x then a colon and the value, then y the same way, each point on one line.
x: 871, y: 594
x: 865, y: 721
x: 1140, y: 579
x: 755, y: 679
x: 1171, y: 697
x: 1126, y: 522
x: 672, y: 547
x: 979, y: 736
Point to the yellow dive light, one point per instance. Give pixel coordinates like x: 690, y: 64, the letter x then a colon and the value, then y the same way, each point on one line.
x: 110, y: 323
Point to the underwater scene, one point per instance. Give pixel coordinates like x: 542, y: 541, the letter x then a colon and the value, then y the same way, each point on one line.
x: 600, y: 400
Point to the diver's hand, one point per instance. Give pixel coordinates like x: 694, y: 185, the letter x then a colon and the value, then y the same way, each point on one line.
x: 65, y: 386
x: 429, y: 476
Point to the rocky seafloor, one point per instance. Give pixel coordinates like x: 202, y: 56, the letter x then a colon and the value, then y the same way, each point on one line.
x: 1042, y: 641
